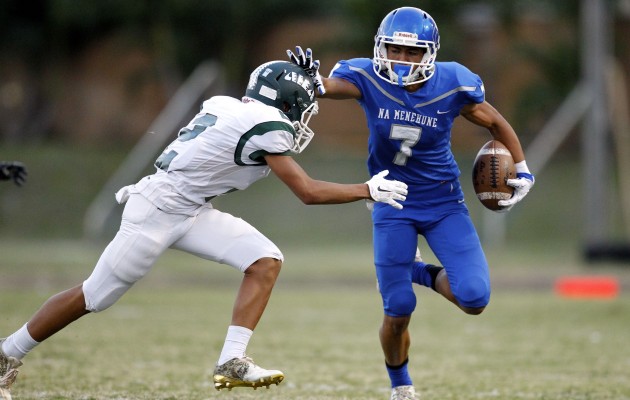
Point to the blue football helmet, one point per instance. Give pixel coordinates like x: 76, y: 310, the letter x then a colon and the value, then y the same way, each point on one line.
x: 406, y: 26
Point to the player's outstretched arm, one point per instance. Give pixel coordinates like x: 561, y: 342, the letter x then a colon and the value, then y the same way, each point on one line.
x: 312, y: 191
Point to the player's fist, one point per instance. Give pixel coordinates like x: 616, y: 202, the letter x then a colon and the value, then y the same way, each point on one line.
x: 522, y: 184
x: 13, y: 170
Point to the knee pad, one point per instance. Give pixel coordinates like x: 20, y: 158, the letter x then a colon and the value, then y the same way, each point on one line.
x: 396, y: 289
x: 400, y: 304
x: 473, y: 292
x: 101, y: 297
x: 399, y: 300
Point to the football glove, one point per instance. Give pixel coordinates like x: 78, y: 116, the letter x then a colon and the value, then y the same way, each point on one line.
x: 305, y: 61
x: 387, y: 191
x: 522, y: 184
x: 13, y: 170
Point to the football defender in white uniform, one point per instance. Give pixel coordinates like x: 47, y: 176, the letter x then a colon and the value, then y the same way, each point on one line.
x: 227, y: 146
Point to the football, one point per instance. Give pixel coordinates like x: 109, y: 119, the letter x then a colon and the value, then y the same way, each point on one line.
x: 492, y: 168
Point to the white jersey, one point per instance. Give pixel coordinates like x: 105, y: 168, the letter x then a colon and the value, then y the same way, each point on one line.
x: 221, y: 150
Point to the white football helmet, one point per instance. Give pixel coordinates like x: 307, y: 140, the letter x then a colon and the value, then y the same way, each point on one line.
x: 406, y: 26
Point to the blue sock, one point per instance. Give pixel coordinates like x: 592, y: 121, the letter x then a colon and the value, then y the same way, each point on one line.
x: 399, y: 375
x: 425, y: 274
x: 420, y: 275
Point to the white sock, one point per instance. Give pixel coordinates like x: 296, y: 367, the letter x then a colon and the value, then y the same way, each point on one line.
x: 19, y: 344
x: 235, y: 343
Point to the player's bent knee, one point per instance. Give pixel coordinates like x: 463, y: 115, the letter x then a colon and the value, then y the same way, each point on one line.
x: 265, y: 265
x: 100, y: 298
x: 396, y: 325
x: 400, y: 303
x: 275, y: 265
x: 473, y: 311
x: 473, y: 295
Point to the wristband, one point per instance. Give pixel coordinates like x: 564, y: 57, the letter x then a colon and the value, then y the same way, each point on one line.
x: 521, y: 167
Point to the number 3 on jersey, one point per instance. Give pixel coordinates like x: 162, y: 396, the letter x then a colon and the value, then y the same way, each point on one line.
x: 198, y: 125
x: 410, y: 135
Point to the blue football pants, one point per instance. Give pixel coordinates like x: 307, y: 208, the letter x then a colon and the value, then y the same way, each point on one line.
x: 454, y: 241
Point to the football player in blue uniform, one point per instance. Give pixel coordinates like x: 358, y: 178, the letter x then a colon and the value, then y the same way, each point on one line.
x: 410, y: 102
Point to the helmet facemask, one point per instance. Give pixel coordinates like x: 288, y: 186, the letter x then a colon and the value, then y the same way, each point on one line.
x: 304, y: 134
x: 403, y: 73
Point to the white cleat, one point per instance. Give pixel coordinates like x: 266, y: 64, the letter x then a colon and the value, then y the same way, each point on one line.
x: 8, y: 372
x: 242, y: 372
x: 406, y: 392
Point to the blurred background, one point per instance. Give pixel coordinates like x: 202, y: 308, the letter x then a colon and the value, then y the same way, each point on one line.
x: 91, y: 91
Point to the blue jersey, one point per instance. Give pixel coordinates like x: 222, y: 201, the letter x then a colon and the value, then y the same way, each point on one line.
x: 410, y: 133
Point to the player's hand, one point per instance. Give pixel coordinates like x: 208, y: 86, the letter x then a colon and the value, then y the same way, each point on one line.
x: 13, y: 170
x: 522, y: 184
x: 305, y: 61
x: 387, y: 191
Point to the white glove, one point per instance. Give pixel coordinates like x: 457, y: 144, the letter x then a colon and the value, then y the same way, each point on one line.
x: 387, y: 191
x: 522, y: 184
x: 305, y: 61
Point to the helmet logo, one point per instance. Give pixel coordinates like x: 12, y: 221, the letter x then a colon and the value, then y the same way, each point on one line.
x: 302, y: 81
x: 405, y: 35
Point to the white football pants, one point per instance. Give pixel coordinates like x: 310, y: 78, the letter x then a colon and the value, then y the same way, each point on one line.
x: 146, y: 232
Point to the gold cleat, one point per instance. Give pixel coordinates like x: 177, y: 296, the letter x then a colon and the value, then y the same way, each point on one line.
x: 242, y: 372
x: 5, y: 394
x: 8, y: 372
x: 224, y: 382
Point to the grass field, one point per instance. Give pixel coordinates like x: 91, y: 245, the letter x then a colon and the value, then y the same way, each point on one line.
x: 163, y: 338
x: 321, y: 327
